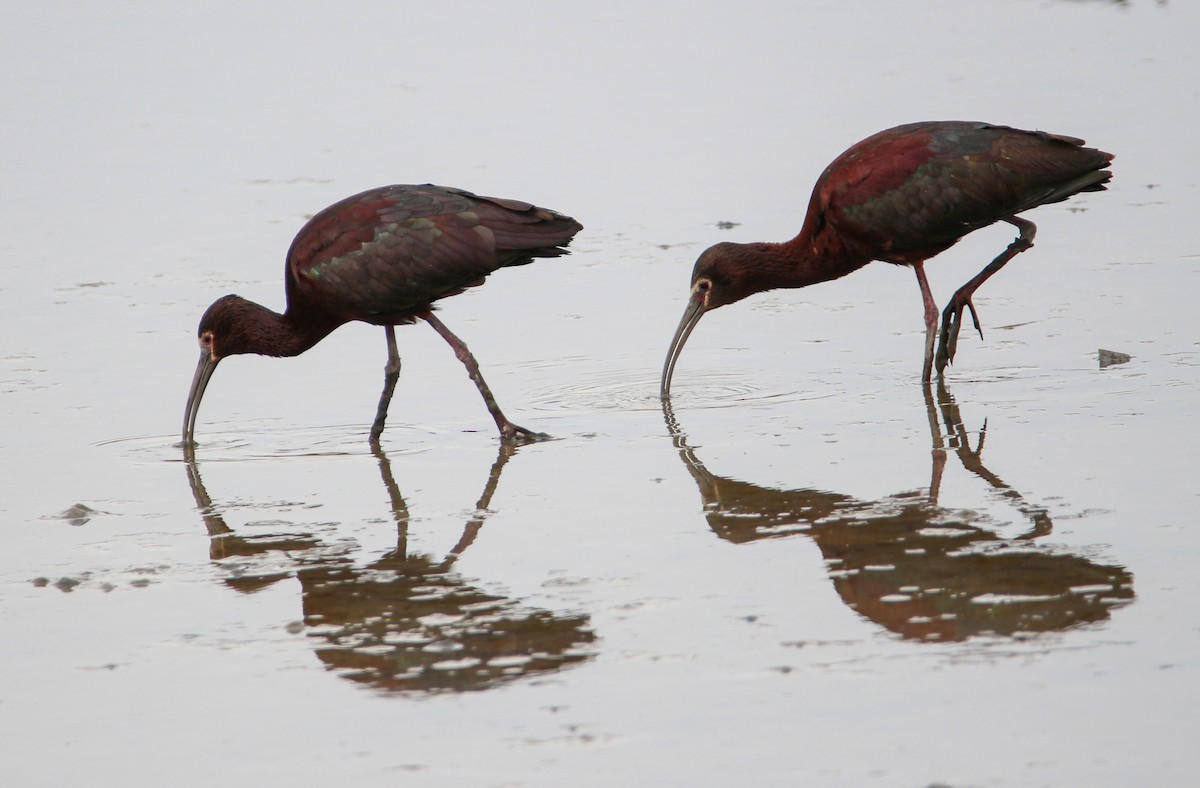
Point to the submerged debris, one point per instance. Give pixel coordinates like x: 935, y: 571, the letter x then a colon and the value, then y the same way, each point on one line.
x: 67, y: 584
x: 79, y: 514
x: 1110, y: 357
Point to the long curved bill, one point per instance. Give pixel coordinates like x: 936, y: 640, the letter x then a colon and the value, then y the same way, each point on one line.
x: 204, y: 371
x: 691, y: 316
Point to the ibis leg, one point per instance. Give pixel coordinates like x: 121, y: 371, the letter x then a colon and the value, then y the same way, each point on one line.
x: 391, y: 373
x: 931, y: 317
x: 509, y: 432
x: 952, y: 315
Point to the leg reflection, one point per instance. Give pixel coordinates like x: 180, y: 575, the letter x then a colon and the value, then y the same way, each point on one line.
x: 912, y: 566
x: 972, y: 459
x: 404, y: 621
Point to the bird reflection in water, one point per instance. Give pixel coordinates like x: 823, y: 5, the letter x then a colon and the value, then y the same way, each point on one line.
x: 914, y: 567
x: 406, y: 621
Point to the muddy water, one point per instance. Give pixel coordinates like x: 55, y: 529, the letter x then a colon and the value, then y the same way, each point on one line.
x: 811, y: 571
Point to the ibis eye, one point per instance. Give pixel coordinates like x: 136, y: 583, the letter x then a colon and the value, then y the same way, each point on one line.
x: 704, y: 285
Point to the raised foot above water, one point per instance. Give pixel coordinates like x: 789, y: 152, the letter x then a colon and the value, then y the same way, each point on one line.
x: 951, y: 324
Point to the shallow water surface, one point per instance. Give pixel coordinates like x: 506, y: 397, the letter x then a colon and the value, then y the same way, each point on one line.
x: 808, y: 569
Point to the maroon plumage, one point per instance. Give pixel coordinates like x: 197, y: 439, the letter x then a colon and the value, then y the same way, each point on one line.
x: 908, y: 193
x: 386, y: 254
x: 384, y: 257
x: 902, y: 196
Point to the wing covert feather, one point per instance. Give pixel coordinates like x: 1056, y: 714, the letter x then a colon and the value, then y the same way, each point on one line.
x: 910, y: 192
x: 384, y: 254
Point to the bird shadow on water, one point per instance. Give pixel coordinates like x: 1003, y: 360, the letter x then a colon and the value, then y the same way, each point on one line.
x: 914, y: 567
x: 407, y: 621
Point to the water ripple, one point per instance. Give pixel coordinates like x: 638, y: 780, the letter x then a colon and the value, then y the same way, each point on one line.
x: 638, y: 391
x: 253, y: 444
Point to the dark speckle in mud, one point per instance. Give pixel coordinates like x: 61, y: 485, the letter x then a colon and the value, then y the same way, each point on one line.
x: 1110, y: 357
x: 67, y: 584
x: 808, y: 643
x: 81, y: 285
x: 726, y: 225
x: 288, y: 181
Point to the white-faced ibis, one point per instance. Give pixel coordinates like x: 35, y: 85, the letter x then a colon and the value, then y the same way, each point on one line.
x: 383, y: 257
x: 903, y: 196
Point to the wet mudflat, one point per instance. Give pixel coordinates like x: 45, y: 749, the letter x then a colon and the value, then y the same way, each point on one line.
x: 810, y: 570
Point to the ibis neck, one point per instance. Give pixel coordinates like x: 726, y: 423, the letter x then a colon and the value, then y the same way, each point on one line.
x: 805, y: 260
x: 301, y: 335
x: 269, y: 333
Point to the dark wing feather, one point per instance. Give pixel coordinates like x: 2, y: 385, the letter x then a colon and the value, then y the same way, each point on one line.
x: 388, y: 253
x: 910, y: 192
